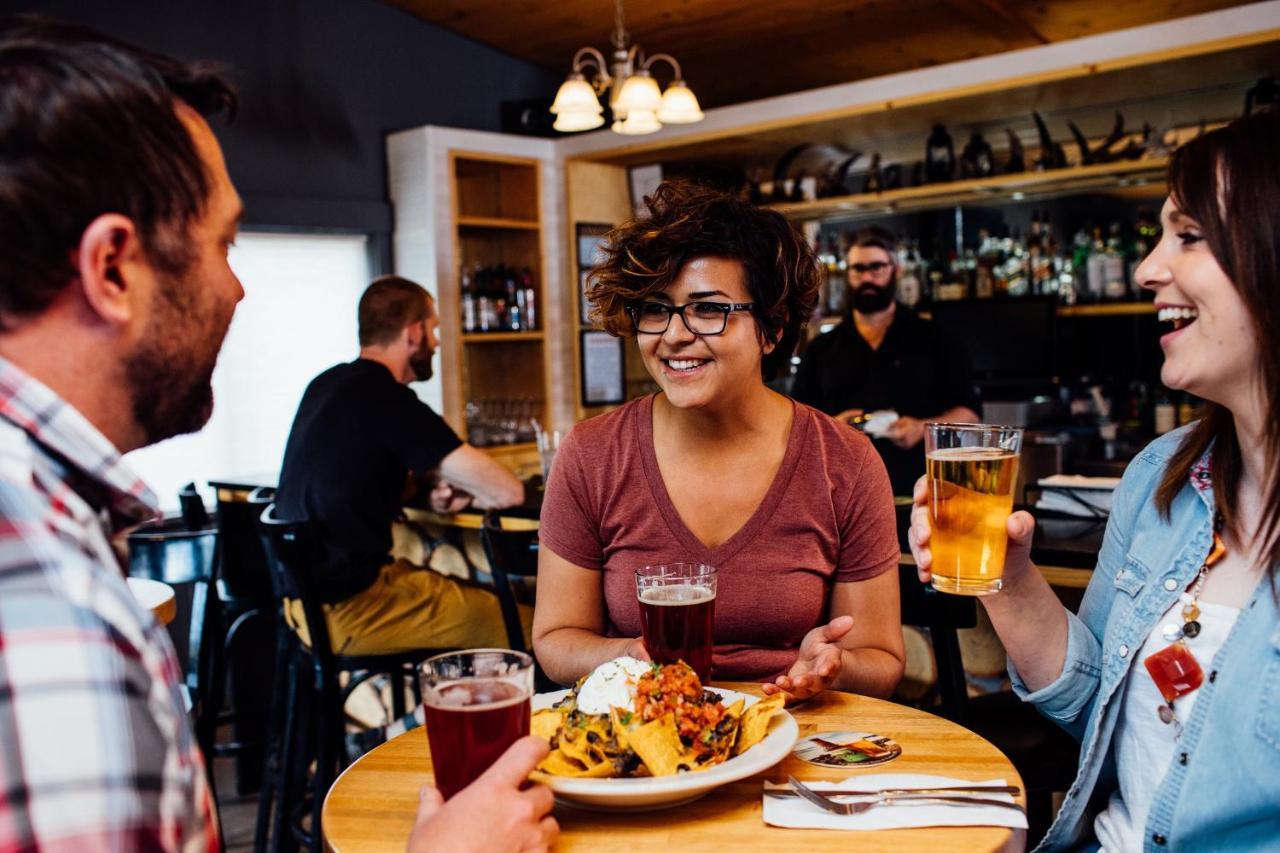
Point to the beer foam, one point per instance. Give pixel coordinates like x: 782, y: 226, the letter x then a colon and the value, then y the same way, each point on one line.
x: 971, y: 454
x: 680, y: 594
x: 461, y: 695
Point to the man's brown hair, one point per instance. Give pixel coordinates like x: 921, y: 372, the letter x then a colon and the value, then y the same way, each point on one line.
x: 389, y: 304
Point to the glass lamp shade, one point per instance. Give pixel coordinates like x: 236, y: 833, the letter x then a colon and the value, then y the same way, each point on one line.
x: 679, y: 105
x: 576, y: 96
x: 638, y: 123
x: 570, y: 121
x: 638, y: 92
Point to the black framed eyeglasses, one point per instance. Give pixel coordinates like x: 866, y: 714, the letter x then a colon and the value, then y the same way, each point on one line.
x: 700, y: 318
x: 874, y: 266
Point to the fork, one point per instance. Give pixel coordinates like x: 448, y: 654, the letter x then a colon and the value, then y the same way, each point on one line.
x: 827, y: 804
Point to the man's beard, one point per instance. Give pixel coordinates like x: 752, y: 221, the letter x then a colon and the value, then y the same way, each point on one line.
x: 170, y: 373
x: 871, y: 299
x: 420, y: 364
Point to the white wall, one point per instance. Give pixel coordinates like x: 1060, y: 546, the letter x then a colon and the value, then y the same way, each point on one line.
x: 298, y: 317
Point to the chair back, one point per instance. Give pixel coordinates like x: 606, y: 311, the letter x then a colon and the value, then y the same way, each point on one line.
x: 291, y: 547
x: 243, y: 573
x: 943, y: 615
x: 511, y: 553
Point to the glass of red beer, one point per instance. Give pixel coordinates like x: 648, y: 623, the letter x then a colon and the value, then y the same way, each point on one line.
x: 677, y: 613
x: 476, y: 704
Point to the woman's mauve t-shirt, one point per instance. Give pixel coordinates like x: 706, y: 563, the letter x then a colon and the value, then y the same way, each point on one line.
x: 828, y: 517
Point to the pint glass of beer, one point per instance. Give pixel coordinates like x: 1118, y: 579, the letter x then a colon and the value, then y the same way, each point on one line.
x: 677, y: 613
x: 971, y: 470
x: 476, y: 704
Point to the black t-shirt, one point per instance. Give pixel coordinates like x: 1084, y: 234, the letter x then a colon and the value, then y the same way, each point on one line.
x: 919, y: 371
x: 357, y: 434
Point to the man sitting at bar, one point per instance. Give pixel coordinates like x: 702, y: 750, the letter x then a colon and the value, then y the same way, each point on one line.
x: 884, y: 358
x: 116, y: 213
x: 360, y: 432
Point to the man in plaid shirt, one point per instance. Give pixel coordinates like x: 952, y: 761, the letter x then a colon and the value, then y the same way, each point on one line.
x: 116, y: 214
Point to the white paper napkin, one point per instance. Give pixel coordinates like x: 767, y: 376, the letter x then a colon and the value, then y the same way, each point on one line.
x: 798, y: 813
x: 879, y: 421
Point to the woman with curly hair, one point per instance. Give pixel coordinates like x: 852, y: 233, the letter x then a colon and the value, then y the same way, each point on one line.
x: 793, y: 508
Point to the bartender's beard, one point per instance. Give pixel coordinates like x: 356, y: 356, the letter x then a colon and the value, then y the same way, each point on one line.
x: 869, y: 298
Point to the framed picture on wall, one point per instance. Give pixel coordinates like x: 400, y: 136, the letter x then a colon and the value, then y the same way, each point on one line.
x: 643, y: 180
x: 590, y: 250
x: 603, y: 369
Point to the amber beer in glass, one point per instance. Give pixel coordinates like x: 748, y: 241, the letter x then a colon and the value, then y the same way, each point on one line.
x: 476, y: 704
x: 677, y: 613
x: 971, y: 471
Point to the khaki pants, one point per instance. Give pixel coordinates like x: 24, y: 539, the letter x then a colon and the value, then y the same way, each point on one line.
x: 409, y: 607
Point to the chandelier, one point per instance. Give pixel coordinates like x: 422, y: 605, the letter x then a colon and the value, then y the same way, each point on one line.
x: 638, y: 106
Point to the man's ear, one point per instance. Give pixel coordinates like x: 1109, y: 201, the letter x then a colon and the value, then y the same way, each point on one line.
x: 112, y: 265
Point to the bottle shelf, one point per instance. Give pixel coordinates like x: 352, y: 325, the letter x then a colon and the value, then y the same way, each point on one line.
x: 1020, y: 186
x: 1106, y: 309
x: 497, y: 223
x: 500, y: 337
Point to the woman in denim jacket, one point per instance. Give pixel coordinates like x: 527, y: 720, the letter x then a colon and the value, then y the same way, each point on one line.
x: 1180, y: 763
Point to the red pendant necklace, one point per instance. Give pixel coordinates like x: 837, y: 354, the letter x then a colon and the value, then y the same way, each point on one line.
x: 1174, y: 668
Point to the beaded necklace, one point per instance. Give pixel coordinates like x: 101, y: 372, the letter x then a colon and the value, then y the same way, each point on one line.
x: 1174, y: 668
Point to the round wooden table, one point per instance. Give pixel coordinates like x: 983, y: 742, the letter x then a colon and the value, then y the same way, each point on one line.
x: 372, y: 805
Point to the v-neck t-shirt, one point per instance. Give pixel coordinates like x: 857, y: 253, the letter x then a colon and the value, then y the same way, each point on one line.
x: 827, y: 518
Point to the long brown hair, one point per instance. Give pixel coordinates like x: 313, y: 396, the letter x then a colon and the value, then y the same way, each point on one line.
x: 1229, y: 182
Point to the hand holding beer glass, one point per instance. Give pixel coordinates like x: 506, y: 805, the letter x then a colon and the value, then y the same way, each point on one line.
x: 476, y: 704
x: 677, y: 613
x: 971, y: 470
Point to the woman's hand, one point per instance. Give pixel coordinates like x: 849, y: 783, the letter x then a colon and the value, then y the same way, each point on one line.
x: 495, y: 812
x: 1020, y: 528
x: 636, y: 649
x: 818, y: 665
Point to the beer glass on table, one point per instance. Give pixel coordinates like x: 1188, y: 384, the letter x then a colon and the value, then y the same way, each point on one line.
x: 476, y: 704
x: 677, y: 613
x: 971, y: 471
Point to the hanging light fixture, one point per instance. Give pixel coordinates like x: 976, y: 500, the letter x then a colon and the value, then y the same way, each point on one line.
x: 637, y: 104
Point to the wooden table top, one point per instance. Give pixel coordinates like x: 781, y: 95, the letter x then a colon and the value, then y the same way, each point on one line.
x: 372, y: 805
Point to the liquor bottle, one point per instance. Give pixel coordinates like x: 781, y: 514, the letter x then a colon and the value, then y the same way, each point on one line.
x: 484, y: 301
x: 515, y: 317
x: 529, y: 299
x: 909, y: 288
x: 1166, y: 414
x: 984, y: 274
x: 1096, y: 267
x: 939, y: 156
x: 468, y: 299
x: 1017, y: 267
x: 837, y: 282
x: 1115, y: 288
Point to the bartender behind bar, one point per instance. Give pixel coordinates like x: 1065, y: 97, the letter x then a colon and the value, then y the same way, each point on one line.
x: 888, y: 370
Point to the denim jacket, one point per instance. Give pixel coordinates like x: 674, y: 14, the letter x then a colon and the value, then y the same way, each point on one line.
x: 1222, y: 788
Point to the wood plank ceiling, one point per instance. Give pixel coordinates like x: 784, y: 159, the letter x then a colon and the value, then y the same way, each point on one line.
x: 741, y: 50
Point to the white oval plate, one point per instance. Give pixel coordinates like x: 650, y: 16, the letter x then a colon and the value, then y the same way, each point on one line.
x: 657, y: 792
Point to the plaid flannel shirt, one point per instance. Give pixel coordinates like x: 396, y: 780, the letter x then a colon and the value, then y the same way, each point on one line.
x: 95, y: 749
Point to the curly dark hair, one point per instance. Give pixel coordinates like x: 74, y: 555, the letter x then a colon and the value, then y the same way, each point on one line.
x: 687, y: 220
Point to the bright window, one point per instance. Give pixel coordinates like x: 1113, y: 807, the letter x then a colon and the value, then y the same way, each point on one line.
x: 298, y: 317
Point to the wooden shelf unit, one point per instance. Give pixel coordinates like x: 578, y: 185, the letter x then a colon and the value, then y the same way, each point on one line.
x: 497, y: 221
x: 1019, y: 186
x: 1107, y: 309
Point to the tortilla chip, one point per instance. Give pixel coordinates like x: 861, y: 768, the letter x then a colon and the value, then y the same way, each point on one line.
x: 659, y: 747
x: 755, y: 722
x: 620, y: 728
x: 735, y: 710
x: 546, y: 723
x: 558, y: 764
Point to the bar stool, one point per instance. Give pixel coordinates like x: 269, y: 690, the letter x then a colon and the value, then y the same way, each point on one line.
x: 236, y: 601
x: 310, y: 719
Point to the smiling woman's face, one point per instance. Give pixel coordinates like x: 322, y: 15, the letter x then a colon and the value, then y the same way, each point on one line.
x: 705, y: 371
x: 1210, y: 346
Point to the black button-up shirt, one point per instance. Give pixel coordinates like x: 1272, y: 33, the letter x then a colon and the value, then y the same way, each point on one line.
x: 919, y: 371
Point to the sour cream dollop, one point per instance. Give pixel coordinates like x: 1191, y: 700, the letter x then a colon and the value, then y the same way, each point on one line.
x: 611, y: 685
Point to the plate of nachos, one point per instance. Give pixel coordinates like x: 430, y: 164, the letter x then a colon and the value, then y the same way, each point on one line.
x: 633, y: 735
